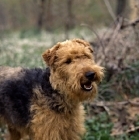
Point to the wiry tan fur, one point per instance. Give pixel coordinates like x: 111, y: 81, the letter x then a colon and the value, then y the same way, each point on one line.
x: 68, y: 125
x: 59, y: 115
x: 49, y: 125
x: 80, y: 52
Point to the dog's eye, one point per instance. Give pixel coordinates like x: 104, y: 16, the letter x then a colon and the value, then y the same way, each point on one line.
x: 68, y: 61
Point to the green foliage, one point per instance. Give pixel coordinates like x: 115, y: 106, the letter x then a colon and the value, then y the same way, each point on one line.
x: 98, y: 128
x: 122, y: 83
x: 130, y: 79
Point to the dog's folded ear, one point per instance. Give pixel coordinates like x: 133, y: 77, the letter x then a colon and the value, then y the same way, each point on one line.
x: 85, y: 43
x: 49, y: 56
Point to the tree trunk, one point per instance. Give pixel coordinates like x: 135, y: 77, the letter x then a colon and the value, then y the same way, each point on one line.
x: 41, y: 14
x: 121, y: 4
x: 70, y: 17
x: 49, y: 16
x: 134, y: 14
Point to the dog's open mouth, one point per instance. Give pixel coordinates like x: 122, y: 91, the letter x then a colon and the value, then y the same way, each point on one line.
x: 87, y: 86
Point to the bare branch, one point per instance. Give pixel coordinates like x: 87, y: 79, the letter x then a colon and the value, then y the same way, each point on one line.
x: 133, y: 24
x: 100, y: 40
x: 107, y: 3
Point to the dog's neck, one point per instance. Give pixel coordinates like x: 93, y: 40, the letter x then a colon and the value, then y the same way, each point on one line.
x: 57, y: 100
x: 60, y: 104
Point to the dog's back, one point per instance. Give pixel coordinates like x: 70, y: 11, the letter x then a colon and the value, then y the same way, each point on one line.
x: 16, y: 86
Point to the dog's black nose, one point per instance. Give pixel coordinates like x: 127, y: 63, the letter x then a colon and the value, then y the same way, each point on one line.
x: 90, y: 75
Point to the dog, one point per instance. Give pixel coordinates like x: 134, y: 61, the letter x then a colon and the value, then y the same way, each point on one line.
x: 46, y: 104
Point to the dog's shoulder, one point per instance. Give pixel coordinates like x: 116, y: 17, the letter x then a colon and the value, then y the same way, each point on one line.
x: 16, y: 91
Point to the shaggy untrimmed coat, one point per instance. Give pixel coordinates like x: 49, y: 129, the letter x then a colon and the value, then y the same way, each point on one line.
x: 45, y: 104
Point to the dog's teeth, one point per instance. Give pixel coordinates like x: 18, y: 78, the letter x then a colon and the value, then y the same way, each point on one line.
x: 88, y: 88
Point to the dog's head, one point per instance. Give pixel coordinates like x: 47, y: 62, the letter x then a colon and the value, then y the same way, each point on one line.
x: 73, y: 70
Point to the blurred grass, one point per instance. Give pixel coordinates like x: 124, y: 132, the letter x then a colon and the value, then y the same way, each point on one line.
x: 25, y: 48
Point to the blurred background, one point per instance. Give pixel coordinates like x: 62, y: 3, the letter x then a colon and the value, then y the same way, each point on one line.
x: 29, y: 27
x: 51, y: 15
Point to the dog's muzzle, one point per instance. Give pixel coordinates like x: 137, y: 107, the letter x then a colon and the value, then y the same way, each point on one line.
x: 87, y: 85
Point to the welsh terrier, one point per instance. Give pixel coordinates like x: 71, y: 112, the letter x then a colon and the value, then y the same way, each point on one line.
x: 45, y: 104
